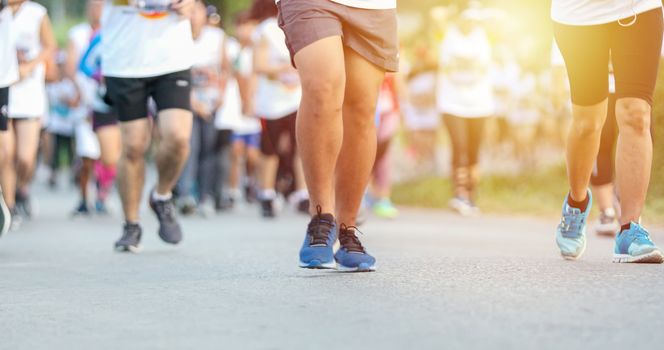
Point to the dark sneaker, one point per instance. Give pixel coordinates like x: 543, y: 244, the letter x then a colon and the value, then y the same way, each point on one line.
x: 24, y: 205
x: 267, y: 208
x: 317, y: 251
x: 352, y: 256
x: 169, y: 228
x: 130, y: 240
x: 303, y: 206
x: 81, y: 210
x: 5, y: 216
x: 187, y: 205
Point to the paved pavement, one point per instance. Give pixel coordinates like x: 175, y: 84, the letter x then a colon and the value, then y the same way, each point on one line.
x: 443, y: 282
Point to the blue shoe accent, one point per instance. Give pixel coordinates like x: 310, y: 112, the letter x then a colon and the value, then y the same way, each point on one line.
x: 317, y: 250
x: 571, y: 232
x: 352, y: 256
x: 634, y: 246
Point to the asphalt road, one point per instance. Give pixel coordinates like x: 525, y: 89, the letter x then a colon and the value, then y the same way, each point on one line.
x: 443, y: 282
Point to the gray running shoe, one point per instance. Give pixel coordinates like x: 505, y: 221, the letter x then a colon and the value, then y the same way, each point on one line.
x: 169, y: 228
x: 130, y: 240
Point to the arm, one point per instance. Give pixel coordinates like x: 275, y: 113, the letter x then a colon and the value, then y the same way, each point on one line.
x: 48, y: 44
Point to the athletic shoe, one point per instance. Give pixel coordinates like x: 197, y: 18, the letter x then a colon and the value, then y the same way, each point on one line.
x: 187, y: 205
x: 634, y: 246
x: 16, y: 219
x: 100, y: 207
x: 81, y: 210
x: 303, y: 206
x: 24, y: 205
x: 461, y: 206
x: 267, y: 208
x: 130, y: 240
x: 385, y: 209
x: 5, y: 216
x: 571, y: 232
x: 250, y: 193
x: 317, y: 251
x: 607, y: 224
x: 207, y: 209
x: 351, y: 256
x: 169, y: 228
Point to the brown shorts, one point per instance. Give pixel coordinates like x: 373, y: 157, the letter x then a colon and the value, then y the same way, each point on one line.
x: 370, y: 33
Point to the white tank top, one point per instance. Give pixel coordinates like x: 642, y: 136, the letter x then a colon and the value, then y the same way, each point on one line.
x: 9, y: 72
x: 593, y: 12
x: 80, y: 36
x: 27, y: 98
x: 139, y: 43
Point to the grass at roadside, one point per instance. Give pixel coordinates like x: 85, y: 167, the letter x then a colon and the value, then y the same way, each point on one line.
x: 538, y: 193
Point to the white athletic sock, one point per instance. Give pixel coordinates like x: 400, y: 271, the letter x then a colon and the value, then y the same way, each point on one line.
x: 268, y: 194
x: 161, y: 197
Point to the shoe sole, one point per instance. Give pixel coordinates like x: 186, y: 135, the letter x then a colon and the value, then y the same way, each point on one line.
x: 654, y: 257
x: 361, y: 268
x: 129, y: 249
x: 575, y: 257
x: 318, y: 265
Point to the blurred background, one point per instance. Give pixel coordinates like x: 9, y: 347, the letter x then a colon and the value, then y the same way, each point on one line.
x: 521, y: 158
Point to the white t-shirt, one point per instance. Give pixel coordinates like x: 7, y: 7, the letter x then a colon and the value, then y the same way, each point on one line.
x: 593, y: 12
x: 27, y: 98
x: 206, y: 69
x: 276, y: 98
x: 9, y: 72
x: 367, y: 4
x: 464, y: 80
x: 62, y: 119
x: 230, y: 115
x: 138, y: 43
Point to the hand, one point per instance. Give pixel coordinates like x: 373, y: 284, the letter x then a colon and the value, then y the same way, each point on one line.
x: 25, y: 70
x: 183, y: 7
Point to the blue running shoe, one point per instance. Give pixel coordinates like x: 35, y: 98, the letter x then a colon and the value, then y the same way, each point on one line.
x: 351, y: 256
x: 634, y: 246
x: 317, y: 251
x: 571, y: 232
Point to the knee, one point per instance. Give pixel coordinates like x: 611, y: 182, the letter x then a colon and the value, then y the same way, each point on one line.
x: 176, y: 141
x: 633, y: 116
x: 24, y: 163
x: 324, y: 93
x: 134, y: 150
x: 588, y: 124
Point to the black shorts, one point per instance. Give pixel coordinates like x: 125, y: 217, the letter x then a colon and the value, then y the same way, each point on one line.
x: 129, y: 96
x: 4, y: 108
x: 634, y: 52
x: 273, y: 131
x: 101, y: 119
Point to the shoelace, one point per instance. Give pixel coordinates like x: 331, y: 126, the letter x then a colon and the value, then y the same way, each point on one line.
x: 319, y: 228
x: 131, y: 231
x: 349, y: 240
x: 571, y: 223
x: 640, y: 235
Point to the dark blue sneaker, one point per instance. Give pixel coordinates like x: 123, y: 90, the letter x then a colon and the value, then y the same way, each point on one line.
x: 317, y: 251
x: 351, y: 256
x: 634, y: 246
